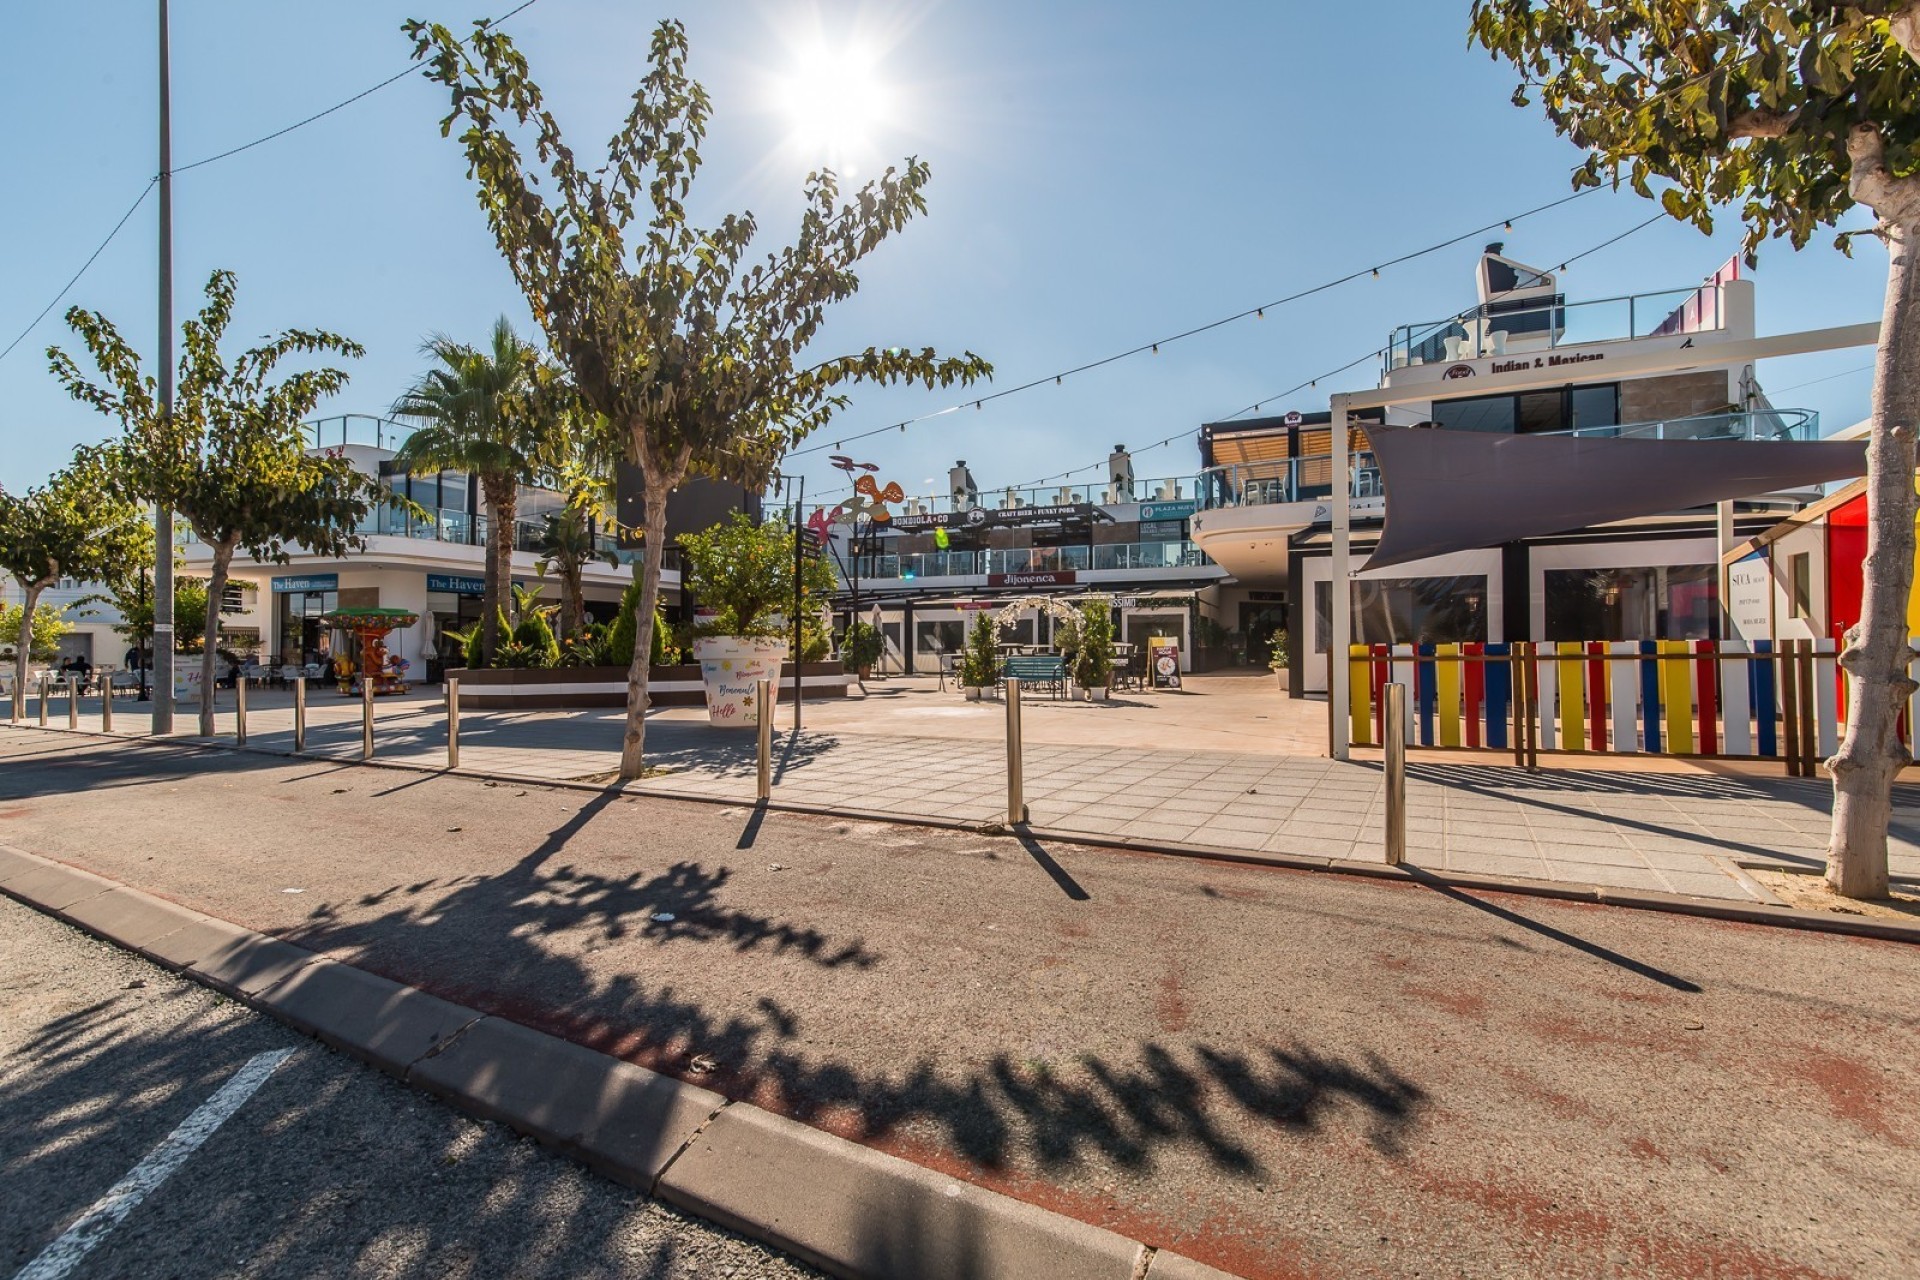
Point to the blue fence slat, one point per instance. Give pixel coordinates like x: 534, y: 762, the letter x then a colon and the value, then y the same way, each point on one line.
x: 1424, y: 677
x: 1499, y: 694
x: 1650, y: 697
x: 1760, y: 686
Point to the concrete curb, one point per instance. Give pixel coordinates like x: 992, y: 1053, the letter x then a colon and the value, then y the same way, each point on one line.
x: 845, y: 1208
x: 1761, y: 913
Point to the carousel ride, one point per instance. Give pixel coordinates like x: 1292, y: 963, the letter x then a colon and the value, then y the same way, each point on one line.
x: 370, y: 628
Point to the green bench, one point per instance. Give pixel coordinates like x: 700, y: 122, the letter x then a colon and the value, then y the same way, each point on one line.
x: 1050, y: 671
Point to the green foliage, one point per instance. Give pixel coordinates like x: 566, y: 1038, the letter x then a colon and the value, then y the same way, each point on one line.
x: 1093, y: 663
x: 49, y: 624
x: 1789, y: 114
x: 189, y: 614
x: 536, y: 635
x: 588, y: 647
x: 1277, y: 655
x: 744, y: 572
x: 469, y: 642
x: 982, y: 657
x: 514, y: 654
x: 862, y: 646
x: 625, y: 632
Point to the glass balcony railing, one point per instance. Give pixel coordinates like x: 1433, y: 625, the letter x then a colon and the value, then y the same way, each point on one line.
x: 1169, y: 489
x: 1251, y: 484
x: 358, y: 428
x: 966, y: 564
x: 446, y: 525
x: 1497, y: 328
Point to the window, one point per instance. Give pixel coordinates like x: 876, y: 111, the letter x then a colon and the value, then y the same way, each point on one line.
x: 946, y: 635
x: 1408, y: 611
x: 1561, y: 409
x: 1800, y: 579
x: 1663, y: 602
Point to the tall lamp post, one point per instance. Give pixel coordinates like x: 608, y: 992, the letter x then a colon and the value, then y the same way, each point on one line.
x: 162, y: 513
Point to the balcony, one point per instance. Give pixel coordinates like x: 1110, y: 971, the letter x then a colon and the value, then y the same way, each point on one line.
x: 442, y: 524
x: 1167, y: 489
x: 973, y: 564
x: 1252, y: 484
x: 1497, y: 328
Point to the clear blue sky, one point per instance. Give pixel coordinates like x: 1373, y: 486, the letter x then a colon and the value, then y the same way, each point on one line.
x: 1105, y: 174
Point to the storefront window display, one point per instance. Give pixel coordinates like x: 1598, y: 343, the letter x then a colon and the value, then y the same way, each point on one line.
x: 1450, y: 610
x: 1659, y: 602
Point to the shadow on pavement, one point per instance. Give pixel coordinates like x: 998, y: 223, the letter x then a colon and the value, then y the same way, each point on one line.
x: 482, y: 941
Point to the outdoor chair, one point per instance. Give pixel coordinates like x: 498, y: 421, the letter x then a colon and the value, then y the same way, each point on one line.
x: 1033, y: 670
x: 947, y: 668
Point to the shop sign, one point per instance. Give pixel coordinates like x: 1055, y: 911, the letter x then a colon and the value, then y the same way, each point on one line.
x: 982, y: 518
x: 1750, y: 597
x: 310, y: 582
x: 456, y: 586
x: 1048, y: 578
x: 1168, y: 510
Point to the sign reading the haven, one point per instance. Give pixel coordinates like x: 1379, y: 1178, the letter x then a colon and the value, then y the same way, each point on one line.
x: 456, y: 586
x: 309, y: 582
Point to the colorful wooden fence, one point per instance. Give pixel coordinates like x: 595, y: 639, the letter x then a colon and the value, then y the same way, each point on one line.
x: 1661, y: 697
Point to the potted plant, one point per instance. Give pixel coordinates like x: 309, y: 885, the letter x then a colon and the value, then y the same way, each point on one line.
x: 861, y: 647
x: 743, y: 573
x: 981, y: 657
x: 1093, y: 664
x: 1277, y: 656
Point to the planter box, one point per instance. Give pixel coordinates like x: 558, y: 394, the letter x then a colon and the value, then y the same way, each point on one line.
x: 583, y: 688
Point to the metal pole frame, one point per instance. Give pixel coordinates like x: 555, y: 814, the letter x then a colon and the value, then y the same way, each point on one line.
x: 299, y: 714
x: 106, y: 706
x: 1016, y: 781
x: 43, y: 699
x: 1396, y: 774
x: 764, y: 788
x: 453, y: 722
x: 1340, y: 586
x: 73, y: 703
x: 239, y: 709
x: 366, y: 716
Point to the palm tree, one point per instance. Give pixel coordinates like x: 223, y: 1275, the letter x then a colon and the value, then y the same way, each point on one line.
x: 477, y: 415
x: 566, y: 548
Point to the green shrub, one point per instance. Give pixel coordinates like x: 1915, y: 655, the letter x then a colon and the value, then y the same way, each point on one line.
x: 536, y: 634
x: 514, y: 654
x: 982, y: 658
x: 1093, y: 665
x: 862, y: 646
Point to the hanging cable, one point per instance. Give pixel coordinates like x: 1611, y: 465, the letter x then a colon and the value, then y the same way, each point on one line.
x: 75, y: 278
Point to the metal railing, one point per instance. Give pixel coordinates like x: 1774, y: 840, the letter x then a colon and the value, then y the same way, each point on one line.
x: 1494, y: 329
x: 1100, y: 493
x: 1252, y: 484
x: 358, y: 428
x: 446, y: 524
x: 965, y: 564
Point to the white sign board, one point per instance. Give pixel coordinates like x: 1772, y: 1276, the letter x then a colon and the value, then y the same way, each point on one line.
x: 1750, y: 597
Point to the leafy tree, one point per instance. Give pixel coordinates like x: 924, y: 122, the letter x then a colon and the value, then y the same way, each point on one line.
x: 477, y: 413
x: 189, y: 614
x: 566, y: 549
x: 74, y: 526
x: 982, y: 656
x: 231, y: 458
x: 43, y: 636
x: 862, y: 646
x: 1794, y: 114
x: 744, y: 572
x: 696, y: 363
x: 1093, y: 665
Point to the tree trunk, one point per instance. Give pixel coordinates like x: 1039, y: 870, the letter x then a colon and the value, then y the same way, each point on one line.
x: 1878, y: 650
x: 573, y: 610
x: 209, y: 657
x: 502, y: 498
x: 654, y: 549
x: 23, y: 651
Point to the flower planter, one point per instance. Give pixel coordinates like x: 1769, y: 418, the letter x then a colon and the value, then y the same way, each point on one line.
x: 1098, y: 694
x: 972, y: 692
x: 731, y: 668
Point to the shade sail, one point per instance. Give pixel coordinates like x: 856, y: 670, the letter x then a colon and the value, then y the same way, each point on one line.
x: 1460, y: 490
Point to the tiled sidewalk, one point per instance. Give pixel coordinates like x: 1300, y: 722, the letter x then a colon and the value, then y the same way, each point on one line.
x: 1669, y: 831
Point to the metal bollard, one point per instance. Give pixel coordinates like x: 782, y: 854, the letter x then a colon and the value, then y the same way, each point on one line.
x: 299, y: 714
x: 366, y: 717
x: 453, y: 723
x: 73, y: 704
x: 765, y: 792
x: 19, y: 701
x: 106, y: 707
x: 1016, y: 789
x: 240, y: 710
x: 43, y: 700
x: 1396, y: 771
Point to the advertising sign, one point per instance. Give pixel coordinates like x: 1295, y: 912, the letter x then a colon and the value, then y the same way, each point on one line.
x: 308, y: 582
x: 982, y: 518
x: 1163, y: 657
x: 1168, y: 510
x: 1042, y: 578
x: 456, y: 586
x: 1750, y: 597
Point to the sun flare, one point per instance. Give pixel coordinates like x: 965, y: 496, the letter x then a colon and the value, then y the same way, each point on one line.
x: 835, y: 103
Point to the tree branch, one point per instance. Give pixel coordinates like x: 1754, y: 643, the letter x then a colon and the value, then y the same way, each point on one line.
x: 1760, y: 123
x: 1872, y: 183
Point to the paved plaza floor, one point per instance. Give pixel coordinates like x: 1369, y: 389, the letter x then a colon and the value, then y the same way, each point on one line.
x: 1231, y: 765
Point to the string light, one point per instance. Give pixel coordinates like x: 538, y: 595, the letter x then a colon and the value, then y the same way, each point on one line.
x: 1250, y: 313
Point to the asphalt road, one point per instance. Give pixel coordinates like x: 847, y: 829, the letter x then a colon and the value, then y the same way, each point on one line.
x: 328, y: 1169
x: 1280, y: 1073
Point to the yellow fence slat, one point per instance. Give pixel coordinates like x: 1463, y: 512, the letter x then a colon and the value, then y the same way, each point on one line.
x: 1360, y: 695
x: 1676, y: 692
x: 1446, y: 689
x: 1573, y: 696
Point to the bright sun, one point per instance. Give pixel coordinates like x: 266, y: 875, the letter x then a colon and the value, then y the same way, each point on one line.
x: 834, y: 102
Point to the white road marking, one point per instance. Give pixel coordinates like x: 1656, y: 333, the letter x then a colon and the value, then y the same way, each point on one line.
x: 64, y: 1254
